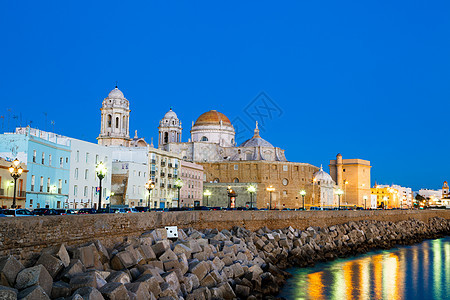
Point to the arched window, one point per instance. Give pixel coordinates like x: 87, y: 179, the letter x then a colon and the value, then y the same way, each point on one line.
x: 232, y: 141
x: 117, y: 122
x: 204, y: 139
x: 216, y: 180
x: 236, y: 180
x: 166, y: 137
x: 108, y: 118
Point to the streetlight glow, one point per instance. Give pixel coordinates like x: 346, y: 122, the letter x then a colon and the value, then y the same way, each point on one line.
x: 251, y: 189
x: 15, y: 170
x: 100, y: 170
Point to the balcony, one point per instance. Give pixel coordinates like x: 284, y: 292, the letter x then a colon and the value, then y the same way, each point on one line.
x: 153, y: 172
x: 163, y: 164
x: 163, y: 174
x: 153, y: 161
x: 170, y: 165
x: 169, y: 175
x: 59, y: 190
x: 169, y: 186
x: 22, y: 194
x: 162, y: 185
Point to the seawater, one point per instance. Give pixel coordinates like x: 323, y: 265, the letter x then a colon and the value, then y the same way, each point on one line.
x: 420, y: 271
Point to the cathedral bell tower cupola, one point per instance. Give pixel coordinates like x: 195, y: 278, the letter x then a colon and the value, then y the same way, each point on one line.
x: 115, y: 121
x: 169, y: 129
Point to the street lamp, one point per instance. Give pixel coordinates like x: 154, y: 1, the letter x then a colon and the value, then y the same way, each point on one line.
x: 207, y: 193
x: 339, y: 192
x: 150, y: 185
x: 179, y: 185
x: 270, y: 189
x: 15, y: 171
x: 100, y: 169
x: 303, y: 193
x: 251, y: 189
x: 384, y: 201
x: 365, y: 199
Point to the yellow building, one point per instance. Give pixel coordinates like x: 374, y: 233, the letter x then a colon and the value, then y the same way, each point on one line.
x: 353, y: 177
x: 387, y: 197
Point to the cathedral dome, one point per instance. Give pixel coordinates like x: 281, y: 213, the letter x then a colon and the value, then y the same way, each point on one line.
x: 116, y: 94
x: 256, y: 140
x: 170, y: 115
x: 321, y: 175
x: 212, y: 117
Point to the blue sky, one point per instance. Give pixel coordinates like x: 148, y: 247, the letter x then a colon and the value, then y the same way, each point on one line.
x: 367, y: 79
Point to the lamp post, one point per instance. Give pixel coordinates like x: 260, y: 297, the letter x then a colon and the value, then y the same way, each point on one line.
x: 179, y: 185
x: 270, y: 189
x: 15, y: 171
x: 384, y: 202
x: 207, y: 193
x: 100, y: 169
x: 365, y: 200
x: 251, y: 189
x: 150, y: 185
x: 339, y: 192
x: 303, y: 193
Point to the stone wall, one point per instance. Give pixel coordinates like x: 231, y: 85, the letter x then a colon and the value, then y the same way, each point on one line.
x: 31, y: 234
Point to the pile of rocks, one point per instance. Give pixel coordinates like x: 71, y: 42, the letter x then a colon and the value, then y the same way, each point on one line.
x: 206, y: 264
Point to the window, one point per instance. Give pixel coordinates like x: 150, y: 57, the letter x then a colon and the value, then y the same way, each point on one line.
x: 67, y: 160
x: 60, y: 186
x: 108, y: 120
x: 86, y: 174
x: 204, y: 139
x: 117, y: 122
x: 61, y: 162
x: 75, y: 190
x: 32, y: 182
x: 78, y: 156
x: 284, y: 193
x: 85, y: 191
x: 34, y: 156
x: 43, y: 157
x: 236, y: 167
x: 285, y: 181
x: 236, y: 180
x: 87, y: 157
x: 76, y: 173
x: 49, y: 159
x: 343, y: 170
x: 48, y: 185
x: 285, y: 168
x: 41, y: 189
x: 96, y: 159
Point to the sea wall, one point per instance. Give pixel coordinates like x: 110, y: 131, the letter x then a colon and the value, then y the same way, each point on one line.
x: 19, y: 236
x: 199, y: 264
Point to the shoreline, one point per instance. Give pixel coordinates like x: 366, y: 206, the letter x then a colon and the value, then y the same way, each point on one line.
x: 201, y: 264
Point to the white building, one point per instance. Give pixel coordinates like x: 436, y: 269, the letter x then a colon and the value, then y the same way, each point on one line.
x: 405, y: 194
x: 323, y: 191
x: 83, y: 180
x: 430, y: 194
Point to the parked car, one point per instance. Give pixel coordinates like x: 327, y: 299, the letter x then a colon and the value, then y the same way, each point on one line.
x: 44, y: 212
x: 142, y: 208
x: 87, y: 211
x: 63, y: 212
x: 17, y: 212
x: 125, y: 210
x: 201, y: 208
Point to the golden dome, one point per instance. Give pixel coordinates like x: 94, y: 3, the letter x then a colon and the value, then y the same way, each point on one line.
x: 212, y: 117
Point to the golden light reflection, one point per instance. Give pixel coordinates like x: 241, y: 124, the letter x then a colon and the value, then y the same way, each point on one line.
x: 316, y: 287
x: 390, y: 265
x: 338, y: 287
x: 378, y: 274
x: 437, y: 265
x: 364, y: 282
x: 415, y: 265
x: 348, y: 273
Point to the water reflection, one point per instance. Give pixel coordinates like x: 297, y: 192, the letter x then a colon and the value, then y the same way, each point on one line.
x: 413, y: 272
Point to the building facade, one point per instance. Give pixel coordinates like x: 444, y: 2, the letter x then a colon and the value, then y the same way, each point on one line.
x: 353, y: 177
x: 7, y: 185
x: 192, y: 191
x: 387, y: 197
x: 48, y: 163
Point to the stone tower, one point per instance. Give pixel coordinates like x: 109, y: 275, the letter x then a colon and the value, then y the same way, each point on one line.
x: 115, y: 121
x: 445, y: 191
x: 169, y: 129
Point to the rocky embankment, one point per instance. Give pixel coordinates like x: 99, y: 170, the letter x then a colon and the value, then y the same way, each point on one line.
x: 206, y: 264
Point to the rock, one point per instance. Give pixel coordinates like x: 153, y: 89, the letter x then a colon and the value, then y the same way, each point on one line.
x: 60, y: 289
x: 51, y: 263
x: 202, y: 293
x: 35, y: 292
x: 200, y: 270
x: 160, y: 247
x: 218, y: 263
x: 114, y: 291
x: 147, y: 252
x: 152, y: 284
x: 36, y: 275
x: 168, y: 255
x: 86, y: 280
x: 63, y: 255
x: 89, y: 293
x: 9, y: 268
x: 139, y: 289
x: 75, y: 267
x: 227, y: 291
x: 123, y: 260
x: 208, y: 281
x: 238, y: 271
x: 89, y: 256
x: 104, y: 256
x: 181, y: 248
x: 193, y: 280
x: 242, y: 291
x: 172, y: 280
x: 7, y: 293
x: 119, y: 276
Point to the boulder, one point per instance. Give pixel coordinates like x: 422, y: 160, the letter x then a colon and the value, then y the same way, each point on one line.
x: 89, y: 256
x: 104, y: 256
x: 119, y: 276
x: 35, y: 292
x: 122, y: 260
x: 36, y: 275
x: 86, y: 280
x: 9, y: 268
x: 60, y: 289
x: 114, y: 291
x: 168, y: 255
x: 160, y: 247
x: 147, y: 252
x: 208, y: 281
x: 89, y: 293
x: 171, y: 279
x: 7, y: 293
x: 181, y: 248
x: 200, y: 270
x: 75, y: 267
x: 51, y: 263
x: 139, y: 289
x: 152, y: 284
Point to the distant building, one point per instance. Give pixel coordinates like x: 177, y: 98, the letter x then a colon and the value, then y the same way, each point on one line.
x: 353, y: 177
x: 433, y: 196
x: 192, y: 190
x: 387, y: 197
x: 323, y: 191
x: 404, y: 195
x: 7, y: 185
x: 48, y: 162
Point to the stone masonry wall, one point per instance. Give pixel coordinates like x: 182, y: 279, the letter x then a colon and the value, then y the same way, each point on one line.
x: 21, y: 236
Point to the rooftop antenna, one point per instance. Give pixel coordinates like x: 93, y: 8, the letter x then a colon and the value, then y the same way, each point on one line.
x: 53, y: 125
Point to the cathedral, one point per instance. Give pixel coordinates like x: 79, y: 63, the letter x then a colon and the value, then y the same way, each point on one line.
x: 213, y: 140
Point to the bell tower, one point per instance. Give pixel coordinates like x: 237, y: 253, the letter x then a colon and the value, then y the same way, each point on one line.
x: 169, y: 129
x: 114, y: 130
x: 445, y: 191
